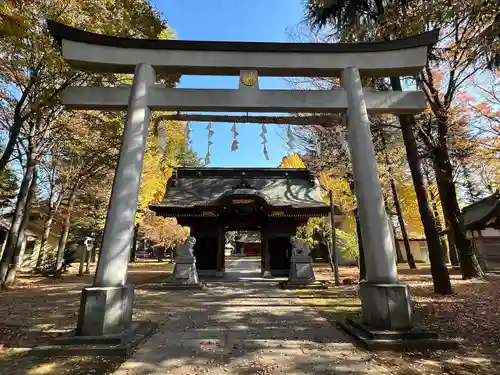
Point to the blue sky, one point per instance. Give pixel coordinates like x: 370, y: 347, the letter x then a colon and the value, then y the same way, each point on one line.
x: 232, y: 20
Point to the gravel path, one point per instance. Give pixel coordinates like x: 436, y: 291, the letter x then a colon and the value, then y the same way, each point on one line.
x: 246, y: 327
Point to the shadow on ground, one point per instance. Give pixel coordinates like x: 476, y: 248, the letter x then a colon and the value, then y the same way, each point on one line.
x: 471, y: 314
x: 251, y: 328
x: 39, y: 309
x: 246, y: 328
x: 234, y: 327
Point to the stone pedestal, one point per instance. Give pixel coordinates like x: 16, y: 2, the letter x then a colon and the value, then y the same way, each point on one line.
x: 105, y: 310
x: 386, y: 306
x: 301, y: 270
x: 185, y: 272
x: 266, y: 274
x: 386, y: 321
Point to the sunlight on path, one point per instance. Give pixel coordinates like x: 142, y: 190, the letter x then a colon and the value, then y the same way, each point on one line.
x: 242, y: 268
x: 246, y: 327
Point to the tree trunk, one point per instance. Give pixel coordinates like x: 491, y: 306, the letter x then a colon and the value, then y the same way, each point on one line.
x: 160, y: 253
x: 399, y: 255
x: 20, y: 245
x: 65, y: 230
x: 332, y: 254
x: 93, y: 252
x: 12, y: 237
x: 329, y: 256
x: 440, y: 275
x: 361, y: 262
x: 402, y: 225
x: 17, y: 124
x: 397, y: 206
x: 469, y: 264
x: 362, y: 267
x: 46, y: 232
x: 452, y: 250
x: 83, y: 256
x: 439, y: 226
x: 134, y: 244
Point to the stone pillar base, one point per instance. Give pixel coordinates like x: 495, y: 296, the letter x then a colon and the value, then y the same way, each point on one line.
x: 301, y: 270
x: 185, y: 271
x: 386, y: 306
x: 266, y: 274
x: 105, y: 310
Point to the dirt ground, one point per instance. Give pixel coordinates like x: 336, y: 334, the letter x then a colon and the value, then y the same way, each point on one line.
x: 39, y: 308
x: 471, y: 314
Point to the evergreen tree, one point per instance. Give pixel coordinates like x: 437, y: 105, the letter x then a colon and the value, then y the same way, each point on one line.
x: 8, y: 186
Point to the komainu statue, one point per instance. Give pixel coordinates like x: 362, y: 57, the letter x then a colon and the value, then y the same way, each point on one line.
x: 298, y: 248
x: 185, y: 250
x: 185, y: 264
x: 301, y: 269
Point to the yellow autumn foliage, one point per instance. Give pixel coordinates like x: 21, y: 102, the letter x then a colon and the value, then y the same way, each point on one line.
x: 342, y: 198
x: 163, y: 232
x: 292, y: 161
x: 158, y: 169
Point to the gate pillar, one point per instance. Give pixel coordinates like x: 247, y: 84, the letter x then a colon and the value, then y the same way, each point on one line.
x: 106, y: 307
x: 386, y: 304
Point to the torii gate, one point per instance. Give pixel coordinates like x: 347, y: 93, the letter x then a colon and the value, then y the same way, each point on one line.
x: 106, y: 307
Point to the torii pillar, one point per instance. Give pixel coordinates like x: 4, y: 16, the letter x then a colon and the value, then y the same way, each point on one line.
x: 386, y: 304
x: 106, y: 306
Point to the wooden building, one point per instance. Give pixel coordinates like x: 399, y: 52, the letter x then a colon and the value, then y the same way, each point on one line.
x: 212, y: 201
x: 482, y: 221
x: 248, y: 243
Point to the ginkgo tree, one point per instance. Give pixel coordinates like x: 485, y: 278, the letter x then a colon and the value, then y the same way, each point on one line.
x: 161, y: 159
x: 162, y: 233
x: 292, y: 161
x: 11, y: 23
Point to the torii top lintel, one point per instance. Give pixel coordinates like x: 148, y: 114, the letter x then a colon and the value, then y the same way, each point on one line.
x: 90, y: 51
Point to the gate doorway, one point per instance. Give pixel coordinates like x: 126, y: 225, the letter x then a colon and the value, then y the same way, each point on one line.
x: 244, y: 261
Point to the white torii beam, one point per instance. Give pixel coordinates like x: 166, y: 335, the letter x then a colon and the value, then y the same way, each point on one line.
x: 222, y: 100
x: 101, y: 53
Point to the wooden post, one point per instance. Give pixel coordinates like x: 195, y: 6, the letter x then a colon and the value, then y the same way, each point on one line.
x: 133, y: 249
x: 266, y: 256
x: 481, y: 257
x: 87, y: 263
x: 220, y: 251
x: 83, y: 256
x: 334, y: 248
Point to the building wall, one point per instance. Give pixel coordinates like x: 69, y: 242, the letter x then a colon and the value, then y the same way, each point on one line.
x: 30, y: 258
x: 418, y: 249
x: 248, y: 247
x: 487, y: 247
x: 488, y: 232
x: 32, y: 249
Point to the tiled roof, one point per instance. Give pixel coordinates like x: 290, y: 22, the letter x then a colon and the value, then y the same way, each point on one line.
x: 482, y: 211
x: 191, y: 187
x: 5, y: 224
